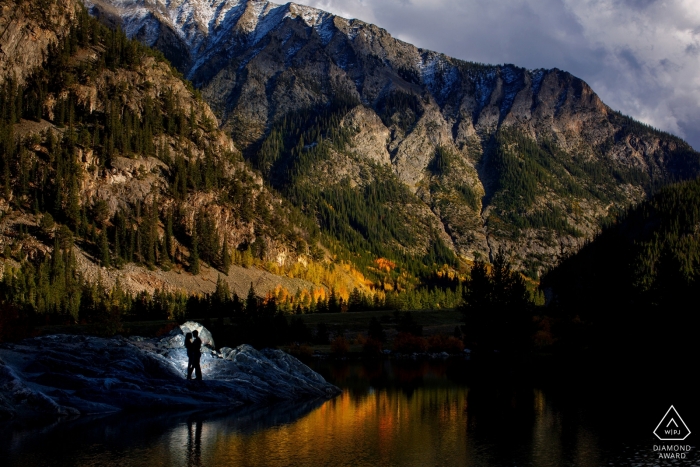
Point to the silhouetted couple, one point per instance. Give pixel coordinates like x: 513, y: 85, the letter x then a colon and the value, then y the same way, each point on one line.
x: 194, y: 353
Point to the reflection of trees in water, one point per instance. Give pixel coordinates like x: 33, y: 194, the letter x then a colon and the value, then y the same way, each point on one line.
x: 358, y: 377
x: 519, y: 421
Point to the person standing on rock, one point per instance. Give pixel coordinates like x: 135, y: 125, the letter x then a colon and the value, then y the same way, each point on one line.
x: 188, y: 346
x: 194, y: 353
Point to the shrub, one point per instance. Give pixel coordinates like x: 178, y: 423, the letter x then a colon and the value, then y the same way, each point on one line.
x: 454, y: 345
x: 442, y: 343
x: 408, y: 343
x: 340, y: 346
x: 372, y: 347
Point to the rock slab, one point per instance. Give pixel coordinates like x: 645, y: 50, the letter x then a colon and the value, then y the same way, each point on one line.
x: 64, y: 375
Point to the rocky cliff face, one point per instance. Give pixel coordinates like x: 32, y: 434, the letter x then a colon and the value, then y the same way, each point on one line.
x: 27, y: 29
x: 130, y: 178
x: 453, y: 132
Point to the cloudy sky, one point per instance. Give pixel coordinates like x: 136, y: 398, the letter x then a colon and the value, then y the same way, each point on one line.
x: 642, y: 57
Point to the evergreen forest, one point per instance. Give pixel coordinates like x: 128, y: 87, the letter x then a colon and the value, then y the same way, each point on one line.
x: 635, y: 285
x: 43, y: 172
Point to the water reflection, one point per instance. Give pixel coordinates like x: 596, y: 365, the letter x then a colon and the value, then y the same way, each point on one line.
x: 140, y: 439
x: 400, y: 413
x: 194, y: 444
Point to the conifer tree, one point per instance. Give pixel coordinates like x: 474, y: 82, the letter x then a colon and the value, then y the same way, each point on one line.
x: 333, y: 303
x: 194, y: 254
x: 222, y: 294
x: 251, y: 303
x: 225, y: 258
x: 355, y: 300
x: 104, y: 249
x: 117, y: 250
x: 169, y: 235
x: 497, y: 306
x: 164, y: 256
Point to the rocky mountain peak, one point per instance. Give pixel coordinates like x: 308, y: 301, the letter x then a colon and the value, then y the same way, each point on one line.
x: 398, y: 150
x: 496, y: 156
x: 202, y: 28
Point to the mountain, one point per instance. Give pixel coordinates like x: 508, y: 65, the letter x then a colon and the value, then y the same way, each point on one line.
x: 399, y: 151
x: 351, y: 160
x: 110, y: 157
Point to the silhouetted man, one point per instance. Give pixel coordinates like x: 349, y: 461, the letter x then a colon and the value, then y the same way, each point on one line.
x: 188, y: 344
x: 194, y: 353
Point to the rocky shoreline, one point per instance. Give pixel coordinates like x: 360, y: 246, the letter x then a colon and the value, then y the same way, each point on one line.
x: 66, y: 375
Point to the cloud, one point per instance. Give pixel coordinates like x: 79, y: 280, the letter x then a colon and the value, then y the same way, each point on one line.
x: 640, y: 56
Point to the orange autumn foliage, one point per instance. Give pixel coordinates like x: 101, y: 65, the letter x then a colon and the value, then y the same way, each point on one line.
x: 384, y: 264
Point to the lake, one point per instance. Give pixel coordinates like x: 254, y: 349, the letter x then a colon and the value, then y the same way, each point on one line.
x: 402, y: 413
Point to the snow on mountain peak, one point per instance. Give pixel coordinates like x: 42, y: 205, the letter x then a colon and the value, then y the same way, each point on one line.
x: 205, y: 25
x: 311, y: 16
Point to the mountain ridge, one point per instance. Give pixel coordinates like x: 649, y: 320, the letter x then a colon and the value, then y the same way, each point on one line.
x: 450, y: 157
x: 259, y: 63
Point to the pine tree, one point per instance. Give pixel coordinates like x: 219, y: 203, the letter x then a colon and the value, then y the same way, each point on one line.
x: 73, y: 208
x: 104, y: 249
x: 117, y: 249
x: 225, y: 258
x: 164, y: 256
x: 355, y: 300
x: 194, y: 254
x: 169, y: 235
x: 496, y: 306
x: 333, y: 304
x: 251, y: 303
x: 222, y: 294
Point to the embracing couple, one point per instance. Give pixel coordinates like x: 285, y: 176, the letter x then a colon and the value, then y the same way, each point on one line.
x: 194, y: 353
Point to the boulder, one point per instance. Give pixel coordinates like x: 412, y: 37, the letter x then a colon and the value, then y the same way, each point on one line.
x: 62, y: 375
x: 204, y: 334
x: 174, y: 340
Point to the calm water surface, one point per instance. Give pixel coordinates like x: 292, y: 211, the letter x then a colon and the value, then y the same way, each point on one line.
x: 390, y: 413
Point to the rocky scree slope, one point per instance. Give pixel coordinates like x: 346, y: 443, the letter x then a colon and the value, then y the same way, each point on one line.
x: 112, y: 141
x: 491, y: 156
x: 64, y: 375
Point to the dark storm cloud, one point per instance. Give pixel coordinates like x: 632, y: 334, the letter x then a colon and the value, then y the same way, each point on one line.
x: 640, y: 56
